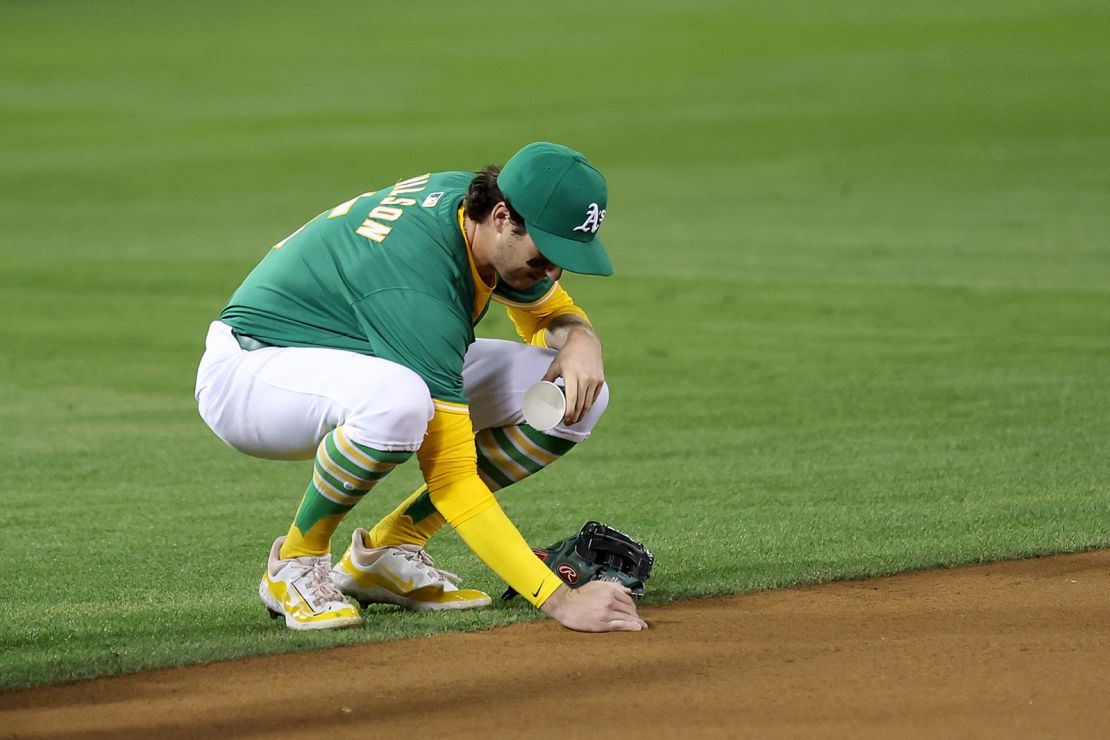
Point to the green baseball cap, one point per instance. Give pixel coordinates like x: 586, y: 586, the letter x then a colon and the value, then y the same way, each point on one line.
x: 562, y: 198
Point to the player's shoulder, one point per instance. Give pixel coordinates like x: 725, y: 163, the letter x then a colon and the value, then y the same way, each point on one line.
x: 413, y: 211
x: 453, y: 179
x: 443, y: 192
x: 431, y: 207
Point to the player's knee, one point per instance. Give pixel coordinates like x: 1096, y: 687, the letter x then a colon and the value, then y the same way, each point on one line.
x: 410, y: 407
x: 602, y: 402
x: 398, y: 421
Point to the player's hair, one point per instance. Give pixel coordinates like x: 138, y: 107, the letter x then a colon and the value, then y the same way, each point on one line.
x: 483, y: 194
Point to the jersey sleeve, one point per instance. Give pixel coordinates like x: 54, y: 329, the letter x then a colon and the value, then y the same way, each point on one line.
x: 531, y: 311
x: 424, y: 333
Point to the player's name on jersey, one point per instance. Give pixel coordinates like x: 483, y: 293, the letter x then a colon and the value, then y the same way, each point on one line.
x: 391, y: 207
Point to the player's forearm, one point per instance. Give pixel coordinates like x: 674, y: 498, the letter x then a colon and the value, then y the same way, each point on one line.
x: 560, y: 328
x: 447, y: 460
x: 471, y: 509
x: 494, y: 539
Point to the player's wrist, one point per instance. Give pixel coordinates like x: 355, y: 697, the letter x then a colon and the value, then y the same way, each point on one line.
x: 555, y: 605
x: 563, y: 328
x: 581, y: 331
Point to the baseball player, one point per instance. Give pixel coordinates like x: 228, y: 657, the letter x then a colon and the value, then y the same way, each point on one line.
x: 352, y: 343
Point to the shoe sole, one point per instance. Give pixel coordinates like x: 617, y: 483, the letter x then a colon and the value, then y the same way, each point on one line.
x: 384, y: 596
x: 276, y: 612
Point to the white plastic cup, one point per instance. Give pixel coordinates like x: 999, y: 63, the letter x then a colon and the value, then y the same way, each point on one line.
x: 544, y: 406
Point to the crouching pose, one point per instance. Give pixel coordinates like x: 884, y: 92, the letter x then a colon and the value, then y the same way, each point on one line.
x: 352, y: 343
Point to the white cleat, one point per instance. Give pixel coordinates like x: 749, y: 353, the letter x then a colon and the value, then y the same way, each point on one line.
x: 403, y: 575
x: 300, y: 589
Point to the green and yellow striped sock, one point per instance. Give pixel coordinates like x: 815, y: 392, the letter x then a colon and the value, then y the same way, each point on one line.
x: 505, y: 455
x: 510, y: 454
x: 343, y: 473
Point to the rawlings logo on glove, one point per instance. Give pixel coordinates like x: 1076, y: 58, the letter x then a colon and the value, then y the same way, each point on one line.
x: 597, y: 553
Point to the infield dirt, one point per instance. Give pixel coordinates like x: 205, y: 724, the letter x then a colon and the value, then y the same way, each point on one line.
x: 1012, y: 649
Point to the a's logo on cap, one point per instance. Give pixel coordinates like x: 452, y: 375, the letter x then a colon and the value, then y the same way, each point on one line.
x: 594, y: 217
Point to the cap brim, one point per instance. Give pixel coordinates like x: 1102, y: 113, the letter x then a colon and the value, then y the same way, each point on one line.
x: 587, y: 258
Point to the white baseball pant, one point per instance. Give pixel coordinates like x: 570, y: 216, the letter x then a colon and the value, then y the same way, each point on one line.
x: 279, y: 402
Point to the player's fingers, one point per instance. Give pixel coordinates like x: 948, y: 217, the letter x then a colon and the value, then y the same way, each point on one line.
x: 624, y: 605
x: 623, y: 595
x: 617, y: 589
x: 553, y: 370
x: 626, y: 625
x: 624, y: 612
x: 597, y: 392
x: 585, y: 399
x: 620, y: 600
x: 589, y: 397
x: 574, y: 400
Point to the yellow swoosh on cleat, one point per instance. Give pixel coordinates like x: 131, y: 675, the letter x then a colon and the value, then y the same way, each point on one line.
x: 396, y: 580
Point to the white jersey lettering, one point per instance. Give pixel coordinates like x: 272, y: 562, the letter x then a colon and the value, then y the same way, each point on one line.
x: 374, y: 231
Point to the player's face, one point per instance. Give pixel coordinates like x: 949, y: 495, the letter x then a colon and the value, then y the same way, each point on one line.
x: 519, y: 263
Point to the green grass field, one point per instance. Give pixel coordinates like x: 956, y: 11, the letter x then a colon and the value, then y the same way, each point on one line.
x: 860, y: 322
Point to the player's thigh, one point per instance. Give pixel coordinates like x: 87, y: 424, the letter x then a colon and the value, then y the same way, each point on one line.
x: 497, y: 373
x: 279, y: 402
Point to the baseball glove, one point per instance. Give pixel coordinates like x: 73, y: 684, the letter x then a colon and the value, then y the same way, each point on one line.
x: 597, y: 553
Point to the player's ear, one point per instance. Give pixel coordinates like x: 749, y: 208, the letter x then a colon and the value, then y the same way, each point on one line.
x: 500, y: 216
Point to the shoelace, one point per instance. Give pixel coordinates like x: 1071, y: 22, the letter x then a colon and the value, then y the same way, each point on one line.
x: 423, y: 561
x: 319, y: 583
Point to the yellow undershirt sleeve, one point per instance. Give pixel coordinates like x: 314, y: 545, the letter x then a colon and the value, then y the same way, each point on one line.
x: 530, y: 319
x: 448, y: 461
x: 494, y: 538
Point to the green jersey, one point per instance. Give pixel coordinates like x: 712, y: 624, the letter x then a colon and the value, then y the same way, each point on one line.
x: 387, y: 274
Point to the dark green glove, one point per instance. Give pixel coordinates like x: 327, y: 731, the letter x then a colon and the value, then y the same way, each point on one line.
x: 597, y: 553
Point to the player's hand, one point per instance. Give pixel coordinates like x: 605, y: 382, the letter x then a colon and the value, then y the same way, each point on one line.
x: 598, y: 606
x: 579, y: 364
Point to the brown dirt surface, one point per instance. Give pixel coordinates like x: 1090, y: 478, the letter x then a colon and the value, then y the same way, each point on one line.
x: 1013, y: 649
